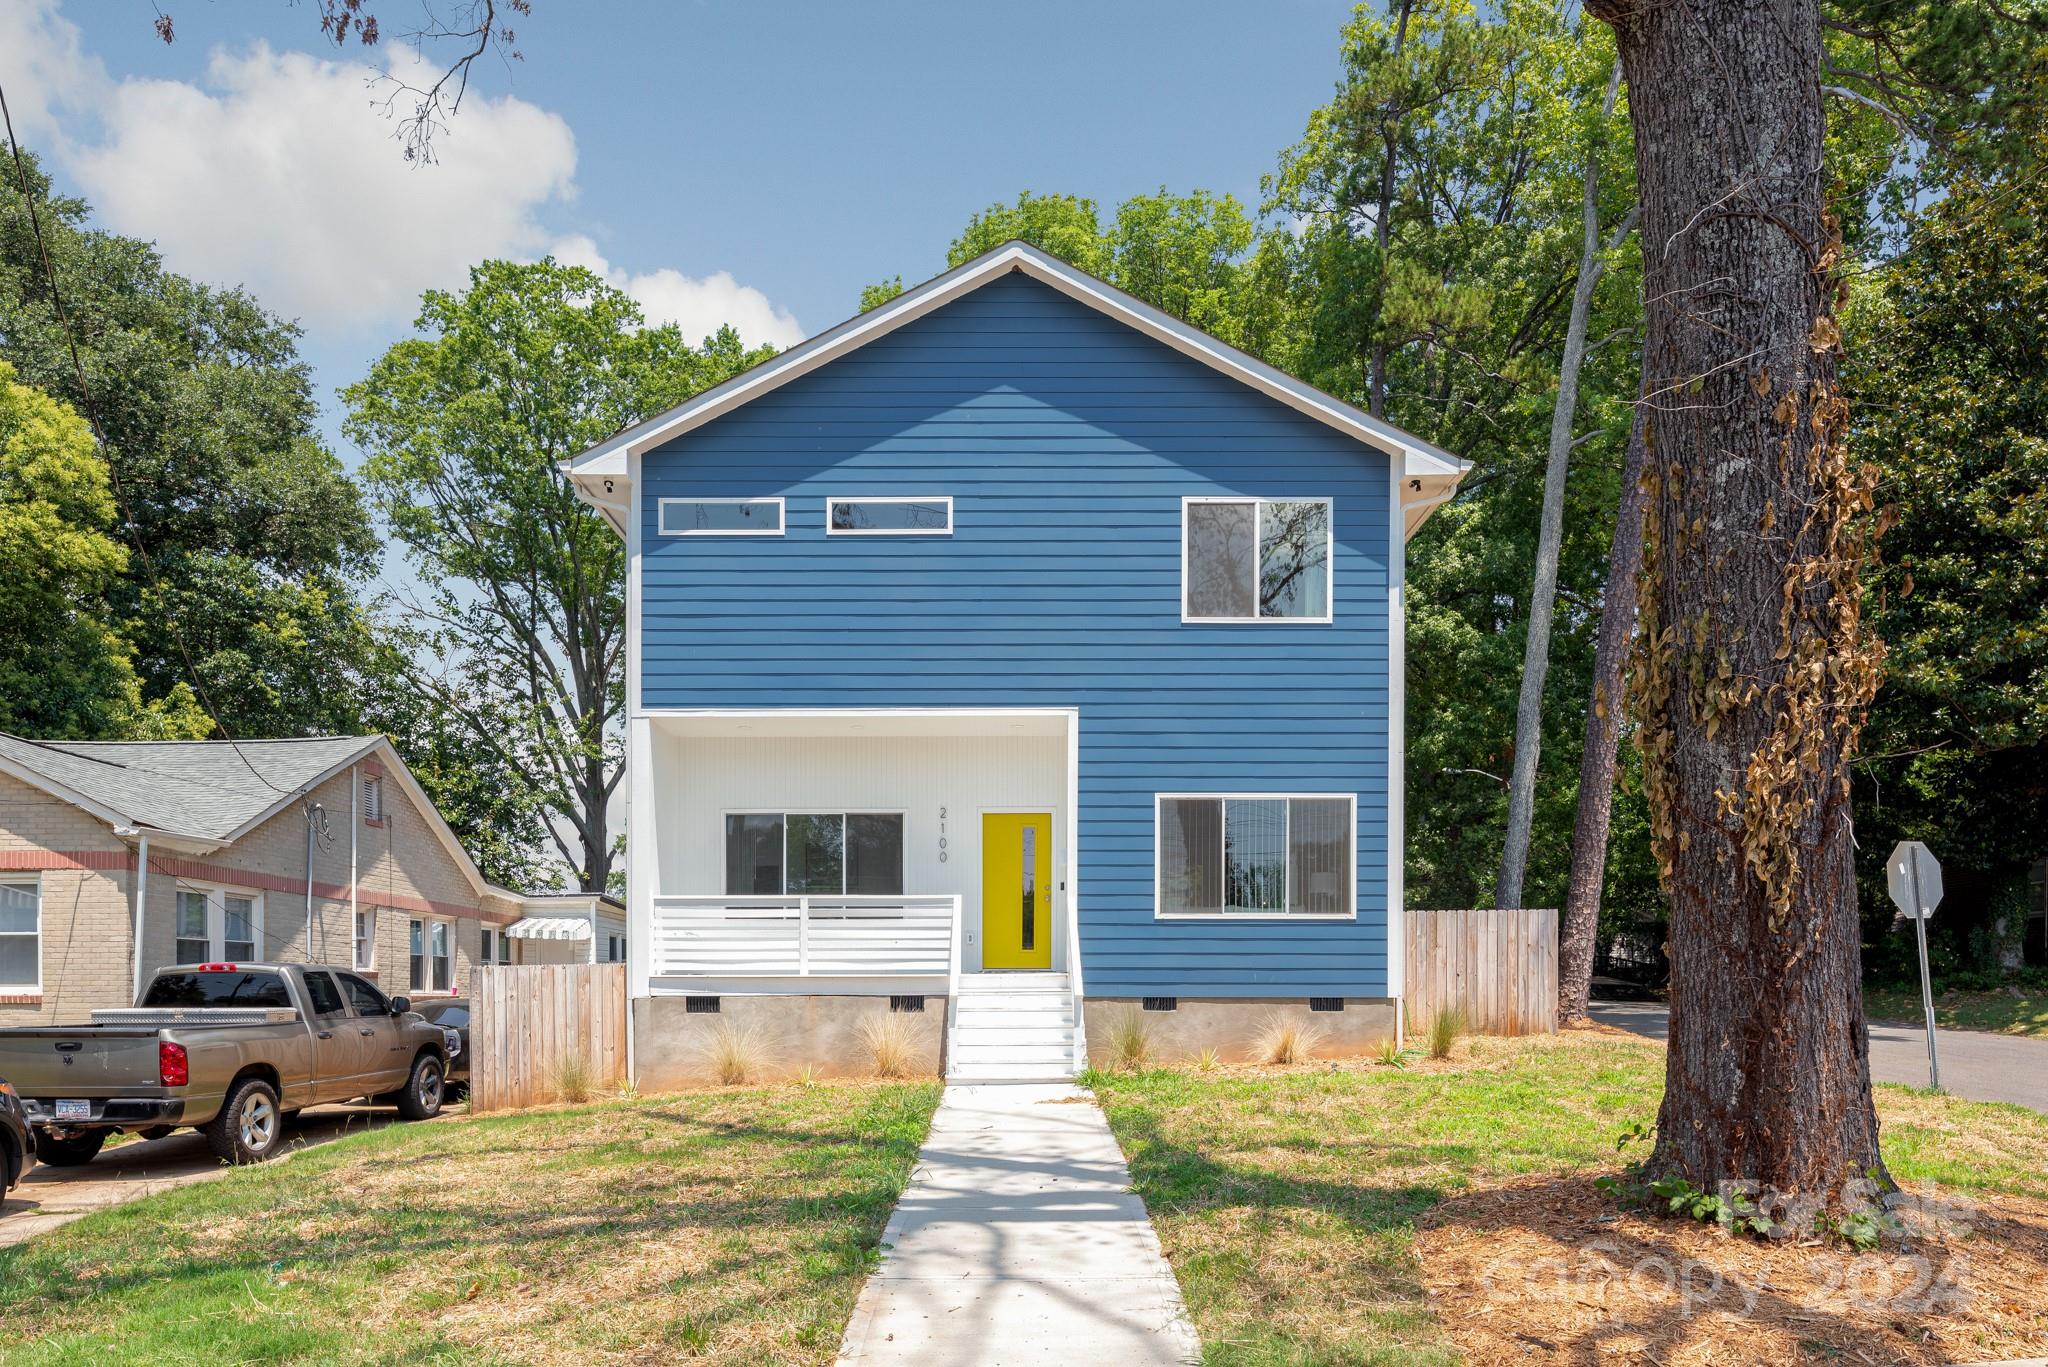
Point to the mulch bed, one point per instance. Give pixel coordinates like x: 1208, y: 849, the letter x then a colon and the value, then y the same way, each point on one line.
x: 1553, y: 1270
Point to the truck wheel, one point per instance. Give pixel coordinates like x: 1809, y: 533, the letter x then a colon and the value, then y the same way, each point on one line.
x: 249, y: 1126
x: 73, y: 1152
x: 421, y: 1099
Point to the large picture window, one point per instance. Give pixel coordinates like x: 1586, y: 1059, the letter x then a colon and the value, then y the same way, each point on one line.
x: 21, y: 959
x: 793, y: 854
x: 1255, y: 855
x: 1255, y: 560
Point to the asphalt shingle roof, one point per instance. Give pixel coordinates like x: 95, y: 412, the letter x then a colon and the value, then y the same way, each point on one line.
x: 205, y: 788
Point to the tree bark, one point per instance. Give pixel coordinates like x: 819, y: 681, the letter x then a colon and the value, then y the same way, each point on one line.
x: 1514, y: 855
x: 1579, y: 931
x: 1752, y: 670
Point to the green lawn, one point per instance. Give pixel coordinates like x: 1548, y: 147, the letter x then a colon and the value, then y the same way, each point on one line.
x: 730, y: 1227
x: 1287, y: 1201
x: 2025, y: 1014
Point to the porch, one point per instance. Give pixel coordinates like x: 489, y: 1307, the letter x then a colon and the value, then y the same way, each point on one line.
x: 839, y: 856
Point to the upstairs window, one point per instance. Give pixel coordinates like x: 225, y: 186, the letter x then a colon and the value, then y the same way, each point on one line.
x: 794, y: 854
x: 1255, y: 560
x: 720, y: 516
x: 1255, y: 856
x: 889, y: 516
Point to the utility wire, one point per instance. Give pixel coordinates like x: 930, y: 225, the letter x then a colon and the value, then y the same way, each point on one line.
x: 100, y: 436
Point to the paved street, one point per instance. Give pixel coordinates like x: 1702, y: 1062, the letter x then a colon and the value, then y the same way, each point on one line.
x: 1974, y: 1064
x: 49, y: 1197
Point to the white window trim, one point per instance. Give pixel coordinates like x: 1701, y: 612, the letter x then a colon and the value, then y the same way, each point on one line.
x: 946, y: 530
x: 33, y: 881
x: 427, y: 924
x: 781, y: 517
x: 360, y: 943
x: 1159, y: 801
x: 217, y: 919
x: 841, y: 812
x: 1258, y: 501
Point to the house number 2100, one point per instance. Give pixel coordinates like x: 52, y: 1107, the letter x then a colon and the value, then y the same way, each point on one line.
x: 942, y: 835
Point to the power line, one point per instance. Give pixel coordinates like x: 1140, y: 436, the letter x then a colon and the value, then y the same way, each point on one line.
x: 100, y: 436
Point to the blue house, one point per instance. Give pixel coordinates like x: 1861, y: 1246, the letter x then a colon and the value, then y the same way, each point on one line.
x: 1012, y: 656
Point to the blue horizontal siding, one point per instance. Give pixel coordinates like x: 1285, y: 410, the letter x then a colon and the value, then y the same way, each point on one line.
x: 1066, y: 442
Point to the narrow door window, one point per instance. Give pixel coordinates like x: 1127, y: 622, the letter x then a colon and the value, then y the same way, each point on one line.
x: 1030, y: 897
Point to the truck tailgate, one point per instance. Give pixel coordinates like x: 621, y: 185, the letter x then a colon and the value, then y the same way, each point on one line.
x: 90, y: 1061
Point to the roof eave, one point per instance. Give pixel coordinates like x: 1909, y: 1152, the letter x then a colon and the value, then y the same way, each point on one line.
x: 606, y: 466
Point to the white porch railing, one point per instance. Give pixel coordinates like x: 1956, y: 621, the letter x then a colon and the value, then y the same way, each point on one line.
x: 807, y: 937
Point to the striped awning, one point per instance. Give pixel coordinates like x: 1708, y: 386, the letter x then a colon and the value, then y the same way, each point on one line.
x: 550, y: 928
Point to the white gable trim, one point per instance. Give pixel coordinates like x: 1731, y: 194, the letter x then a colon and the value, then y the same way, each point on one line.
x: 604, y: 466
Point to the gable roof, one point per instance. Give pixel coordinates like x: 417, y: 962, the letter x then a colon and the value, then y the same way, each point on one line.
x: 602, y: 475
x: 203, y: 794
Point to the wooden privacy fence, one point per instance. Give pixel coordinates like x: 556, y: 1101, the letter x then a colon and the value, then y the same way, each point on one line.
x: 527, y: 1022
x: 1500, y: 966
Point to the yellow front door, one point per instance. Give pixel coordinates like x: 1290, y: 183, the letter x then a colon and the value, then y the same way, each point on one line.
x: 1016, y: 890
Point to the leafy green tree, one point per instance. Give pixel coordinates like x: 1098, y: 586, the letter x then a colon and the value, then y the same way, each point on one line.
x: 1065, y: 225
x: 464, y: 425
x: 63, y: 672
x: 1952, y: 397
x: 247, y: 521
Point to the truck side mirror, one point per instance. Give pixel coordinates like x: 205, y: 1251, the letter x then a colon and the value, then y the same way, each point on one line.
x: 400, y: 1005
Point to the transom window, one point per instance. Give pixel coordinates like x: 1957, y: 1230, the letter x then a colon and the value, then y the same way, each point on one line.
x: 889, y: 516
x: 1255, y: 560
x: 21, y: 959
x: 720, y: 516
x: 216, y: 924
x: 1256, y: 855
x: 793, y: 854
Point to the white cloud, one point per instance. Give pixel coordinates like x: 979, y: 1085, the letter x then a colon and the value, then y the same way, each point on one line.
x: 698, y: 306
x: 279, y: 171
x: 281, y: 175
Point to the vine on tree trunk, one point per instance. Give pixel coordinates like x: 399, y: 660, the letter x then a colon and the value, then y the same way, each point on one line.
x: 1831, y: 665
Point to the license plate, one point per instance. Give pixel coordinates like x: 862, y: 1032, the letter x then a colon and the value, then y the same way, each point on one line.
x: 74, y: 1110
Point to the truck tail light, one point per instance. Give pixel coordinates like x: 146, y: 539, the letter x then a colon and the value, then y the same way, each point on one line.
x: 171, y: 1066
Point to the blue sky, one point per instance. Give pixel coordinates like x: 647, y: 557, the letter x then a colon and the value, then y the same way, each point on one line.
x: 753, y: 160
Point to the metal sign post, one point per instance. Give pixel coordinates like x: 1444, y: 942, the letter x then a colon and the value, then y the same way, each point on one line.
x: 1913, y: 876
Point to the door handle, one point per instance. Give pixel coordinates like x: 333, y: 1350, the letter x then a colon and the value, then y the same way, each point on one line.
x: 326, y: 1034
x: 366, y: 1032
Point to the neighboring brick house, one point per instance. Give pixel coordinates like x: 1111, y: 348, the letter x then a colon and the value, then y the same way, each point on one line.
x: 230, y: 838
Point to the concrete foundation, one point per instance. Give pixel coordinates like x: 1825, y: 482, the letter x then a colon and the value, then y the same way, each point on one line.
x: 1233, y: 1027
x: 672, y: 1045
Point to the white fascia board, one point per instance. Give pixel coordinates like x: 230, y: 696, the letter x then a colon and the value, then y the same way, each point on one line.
x: 608, y: 459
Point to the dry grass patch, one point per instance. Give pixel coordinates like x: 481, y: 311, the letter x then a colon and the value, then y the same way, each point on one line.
x: 1310, y: 1212
x: 728, y: 1227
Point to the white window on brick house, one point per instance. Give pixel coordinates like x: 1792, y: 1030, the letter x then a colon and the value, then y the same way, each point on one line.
x: 21, y: 958
x: 373, y: 798
x: 497, y: 947
x: 430, y: 956
x: 217, y: 925
x: 366, y: 939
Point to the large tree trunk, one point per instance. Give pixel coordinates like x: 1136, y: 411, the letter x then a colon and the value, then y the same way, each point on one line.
x: 1579, y: 932
x: 1752, y: 671
x: 1514, y: 854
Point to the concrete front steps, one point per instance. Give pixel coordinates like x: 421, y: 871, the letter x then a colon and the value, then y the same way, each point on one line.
x: 1013, y: 1027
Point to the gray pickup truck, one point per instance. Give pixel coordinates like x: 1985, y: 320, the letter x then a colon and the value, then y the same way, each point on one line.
x: 231, y: 1050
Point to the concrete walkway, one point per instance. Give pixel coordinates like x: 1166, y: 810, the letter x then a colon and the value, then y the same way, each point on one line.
x: 1974, y: 1063
x: 1019, y: 1241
